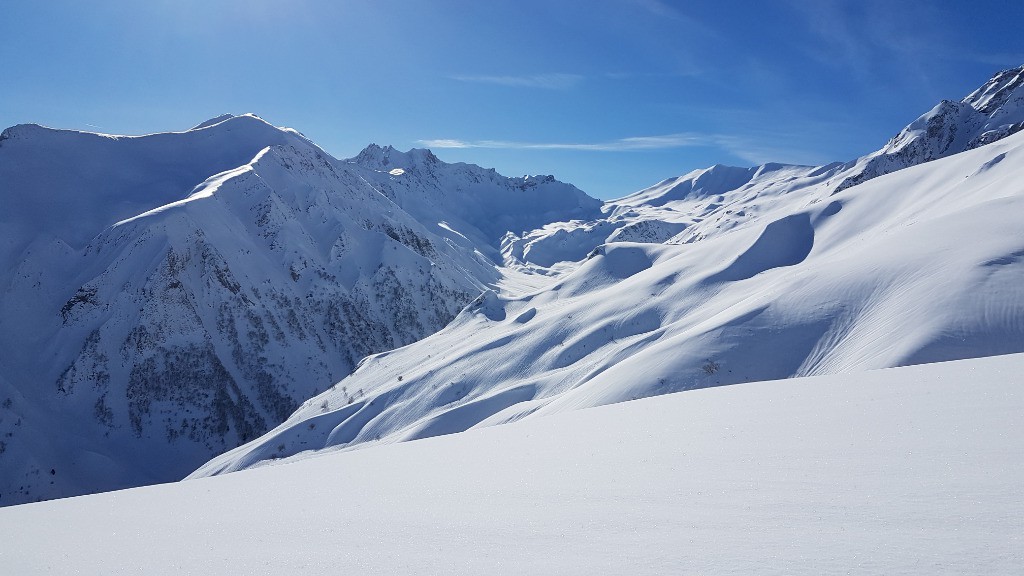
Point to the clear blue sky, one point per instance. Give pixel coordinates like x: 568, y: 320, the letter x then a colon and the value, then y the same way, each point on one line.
x: 611, y: 95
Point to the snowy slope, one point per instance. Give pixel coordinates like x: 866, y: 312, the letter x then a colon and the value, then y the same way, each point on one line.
x: 167, y: 297
x: 920, y: 265
x: 906, y: 471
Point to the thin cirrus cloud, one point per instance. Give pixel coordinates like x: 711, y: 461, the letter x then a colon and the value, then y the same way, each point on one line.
x: 545, y: 81
x: 622, y: 144
x: 750, y: 149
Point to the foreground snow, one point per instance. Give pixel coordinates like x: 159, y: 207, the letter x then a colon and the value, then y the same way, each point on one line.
x: 912, y: 470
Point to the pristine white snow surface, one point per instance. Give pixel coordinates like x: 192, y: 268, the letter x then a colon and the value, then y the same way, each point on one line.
x: 916, y: 470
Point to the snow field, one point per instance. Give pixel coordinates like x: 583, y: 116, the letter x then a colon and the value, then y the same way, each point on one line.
x: 914, y: 470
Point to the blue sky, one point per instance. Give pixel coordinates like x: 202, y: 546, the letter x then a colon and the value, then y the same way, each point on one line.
x: 611, y: 95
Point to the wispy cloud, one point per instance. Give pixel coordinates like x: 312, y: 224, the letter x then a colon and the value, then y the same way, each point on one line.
x: 633, y: 143
x: 762, y: 151
x: 545, y: 81
x: 664, y: 9
x: 755, y: 150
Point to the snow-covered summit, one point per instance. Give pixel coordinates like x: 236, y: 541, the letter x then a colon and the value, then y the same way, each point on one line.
x: 213, y: 121
x: 388, y: 158
x: 1001, y: 97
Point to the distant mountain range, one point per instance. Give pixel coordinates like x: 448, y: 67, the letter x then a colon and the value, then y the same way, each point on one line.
x: 168, y: 297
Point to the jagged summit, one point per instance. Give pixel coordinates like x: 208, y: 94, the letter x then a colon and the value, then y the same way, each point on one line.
x: 1003, y: 92
x: 952, y: 127
x: 478, y: 202
x: 388, y: 158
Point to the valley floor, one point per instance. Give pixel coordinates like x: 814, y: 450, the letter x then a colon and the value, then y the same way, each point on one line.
x: 915, y: 470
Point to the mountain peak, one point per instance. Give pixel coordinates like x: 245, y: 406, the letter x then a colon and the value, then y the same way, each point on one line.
x: 388, y: 158
x: 235, y: 120
x: 22, y: 130
x: 212, y: 121
x: 1005, y: 87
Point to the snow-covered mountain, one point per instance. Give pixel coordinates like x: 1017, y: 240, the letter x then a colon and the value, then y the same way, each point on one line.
x: 168, y: 297
x: 721, y: 276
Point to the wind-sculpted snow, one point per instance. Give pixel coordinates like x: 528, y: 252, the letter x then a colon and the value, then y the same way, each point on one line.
x: 784, y: 242
x: 181, y: 293
x: 920, y: 265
